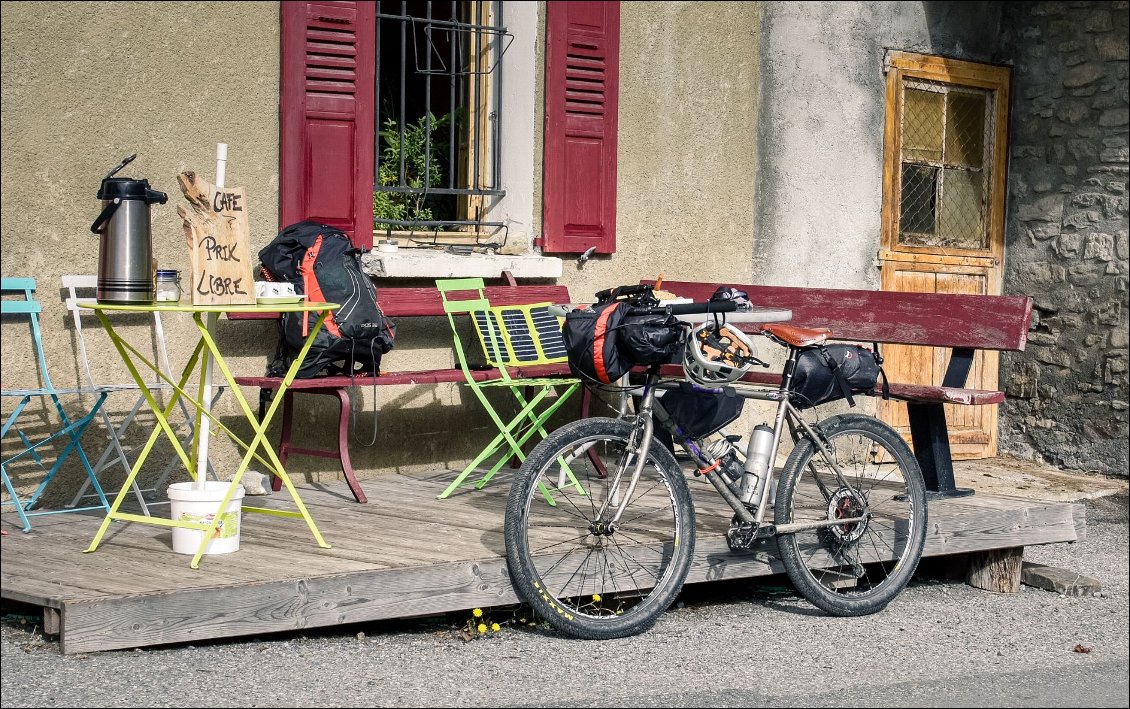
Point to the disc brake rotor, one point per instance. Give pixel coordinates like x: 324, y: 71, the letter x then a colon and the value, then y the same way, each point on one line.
x: 847, y: 504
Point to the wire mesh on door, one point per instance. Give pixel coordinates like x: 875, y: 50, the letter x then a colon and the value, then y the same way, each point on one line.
x: 945, y: 169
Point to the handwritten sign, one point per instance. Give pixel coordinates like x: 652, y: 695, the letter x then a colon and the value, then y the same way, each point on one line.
x: 219, y: 238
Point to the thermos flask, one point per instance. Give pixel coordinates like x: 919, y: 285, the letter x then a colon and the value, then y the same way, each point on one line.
x: 126, y: 267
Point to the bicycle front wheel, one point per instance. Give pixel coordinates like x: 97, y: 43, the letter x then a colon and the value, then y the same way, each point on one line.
x: 584, y: 573
x: 857, y: 567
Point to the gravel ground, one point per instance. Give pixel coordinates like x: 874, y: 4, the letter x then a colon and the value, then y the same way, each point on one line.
x: 942, y: 643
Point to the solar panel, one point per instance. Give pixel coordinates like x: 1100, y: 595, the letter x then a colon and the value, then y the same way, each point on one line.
x: 522, y: 334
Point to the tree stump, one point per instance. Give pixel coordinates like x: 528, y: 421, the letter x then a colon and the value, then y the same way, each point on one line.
x: 996, y: 570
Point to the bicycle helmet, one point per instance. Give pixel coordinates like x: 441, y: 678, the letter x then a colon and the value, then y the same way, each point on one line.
x: 717, y: 354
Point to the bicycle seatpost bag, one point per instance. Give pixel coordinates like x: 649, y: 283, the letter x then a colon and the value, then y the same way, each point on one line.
x: 831, y: 372
x: 591, y: 340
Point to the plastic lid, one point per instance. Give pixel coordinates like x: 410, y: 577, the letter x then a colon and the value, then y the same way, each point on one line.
x: 127, y: 188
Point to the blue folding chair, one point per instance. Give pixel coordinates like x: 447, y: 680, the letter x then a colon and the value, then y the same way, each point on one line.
x: 71, y: 429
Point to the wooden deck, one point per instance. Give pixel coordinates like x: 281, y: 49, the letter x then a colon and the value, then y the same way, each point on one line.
x: 403, y: 554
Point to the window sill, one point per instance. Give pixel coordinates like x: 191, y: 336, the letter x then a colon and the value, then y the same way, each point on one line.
x: 426, y: 263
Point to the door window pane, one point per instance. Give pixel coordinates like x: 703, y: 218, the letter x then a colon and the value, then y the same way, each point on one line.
x: 918, y: 202
x: 963, y: 208
x: 922, y: 126
x: 965, y: 129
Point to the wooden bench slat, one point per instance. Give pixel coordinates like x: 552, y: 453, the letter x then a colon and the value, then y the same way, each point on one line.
x: 946, y: 395
x: 425, y: 302
x: 901, y: 392
x: 994, y: 322
x: 431, y: 376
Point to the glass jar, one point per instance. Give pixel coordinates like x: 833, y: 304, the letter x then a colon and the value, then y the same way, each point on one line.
x: 168, y: 286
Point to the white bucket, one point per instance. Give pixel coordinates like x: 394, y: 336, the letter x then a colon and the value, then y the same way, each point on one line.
x: 189, y: 504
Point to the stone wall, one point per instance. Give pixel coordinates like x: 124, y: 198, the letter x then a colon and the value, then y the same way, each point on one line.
x: 1067, y: 233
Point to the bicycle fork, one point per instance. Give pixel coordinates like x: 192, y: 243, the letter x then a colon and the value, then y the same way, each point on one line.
x: 639, y: 444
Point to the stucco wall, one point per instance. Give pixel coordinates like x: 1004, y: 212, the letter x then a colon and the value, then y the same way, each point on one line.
x: 687, y: 150
x: 821, y: 127
x: 84, y: 85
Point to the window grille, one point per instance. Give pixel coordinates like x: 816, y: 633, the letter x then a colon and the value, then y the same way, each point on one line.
x: 438, y: 118
x: 945, y: 170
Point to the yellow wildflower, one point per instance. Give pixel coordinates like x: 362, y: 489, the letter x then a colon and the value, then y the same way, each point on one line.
x: 482, y: 628
x: 495, y: 627
x: 478, y: 612
x: 596, y: 598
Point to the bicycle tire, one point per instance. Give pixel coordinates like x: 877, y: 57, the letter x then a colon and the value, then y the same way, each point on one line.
x: 856, y: 568
x: 585, y: 583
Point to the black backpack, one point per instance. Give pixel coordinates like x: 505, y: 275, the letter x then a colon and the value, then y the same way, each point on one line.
x: 321, y: 262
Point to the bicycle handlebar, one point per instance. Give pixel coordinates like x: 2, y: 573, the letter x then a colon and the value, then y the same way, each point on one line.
x: 687, y: 312
x: 718, y: 306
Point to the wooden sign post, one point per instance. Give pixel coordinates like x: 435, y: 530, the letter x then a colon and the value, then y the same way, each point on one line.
x: 219, y: 239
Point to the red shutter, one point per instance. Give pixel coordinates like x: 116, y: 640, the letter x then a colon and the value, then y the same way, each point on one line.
x: 326, y: 116
x: 582, y: 79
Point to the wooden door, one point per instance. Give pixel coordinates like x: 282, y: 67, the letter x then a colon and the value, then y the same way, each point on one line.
x: 943, y: 216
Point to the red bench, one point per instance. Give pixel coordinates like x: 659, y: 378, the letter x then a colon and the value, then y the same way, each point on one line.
x: 399, y: 303
x: 963, y: 323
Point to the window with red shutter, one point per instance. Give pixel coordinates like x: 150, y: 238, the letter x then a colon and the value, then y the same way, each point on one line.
x: 581, y: 99
x: 326, y: 116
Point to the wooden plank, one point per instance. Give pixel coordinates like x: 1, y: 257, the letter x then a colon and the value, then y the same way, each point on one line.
x: 191, y: 616
x: 437, y: 556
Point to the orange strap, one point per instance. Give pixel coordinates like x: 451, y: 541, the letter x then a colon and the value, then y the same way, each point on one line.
x: 712, y: 466
x: 598, y: 344
x: 313, y: 290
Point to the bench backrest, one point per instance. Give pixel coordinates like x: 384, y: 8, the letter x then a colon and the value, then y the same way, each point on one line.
x: 991, y: 322
x: 424, y: 301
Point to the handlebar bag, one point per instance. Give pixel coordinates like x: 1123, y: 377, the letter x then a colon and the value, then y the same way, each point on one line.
x: 831, y: 372
x: 651, y: 339
x: 604, y: 342
x: 591, y: 341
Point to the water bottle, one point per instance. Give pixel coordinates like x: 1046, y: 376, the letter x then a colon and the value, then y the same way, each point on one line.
x: 756, y: 464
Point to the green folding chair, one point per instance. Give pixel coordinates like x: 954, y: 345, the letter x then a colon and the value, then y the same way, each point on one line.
x: 512, y: 337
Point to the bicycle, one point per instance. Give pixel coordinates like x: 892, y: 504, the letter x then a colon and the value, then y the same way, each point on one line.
x: 600, y: 538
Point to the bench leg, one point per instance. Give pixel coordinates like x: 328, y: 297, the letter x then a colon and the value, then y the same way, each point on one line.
x: 343, y: 446
x: 342, y: 452
x: 932, y: 449
x: 284, y: 435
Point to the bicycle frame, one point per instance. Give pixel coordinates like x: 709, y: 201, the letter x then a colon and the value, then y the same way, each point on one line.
x: 651, y: 408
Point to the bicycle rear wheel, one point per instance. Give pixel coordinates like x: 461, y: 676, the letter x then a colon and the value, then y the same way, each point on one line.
x: 858, y: 567
x: 585, y: 578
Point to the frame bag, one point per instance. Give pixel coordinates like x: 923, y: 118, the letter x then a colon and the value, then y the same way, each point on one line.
x: 699, y: 412
x: 831, y: 372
